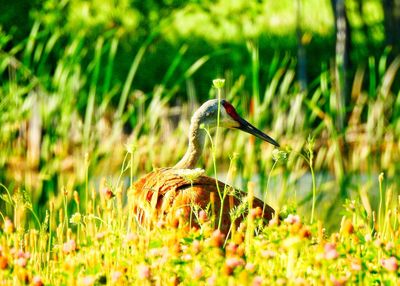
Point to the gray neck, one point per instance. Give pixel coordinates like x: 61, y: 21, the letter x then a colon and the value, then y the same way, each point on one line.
x: 196, y: 144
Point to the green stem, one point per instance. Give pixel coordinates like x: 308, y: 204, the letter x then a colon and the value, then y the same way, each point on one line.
x: 49, y: 241
x: 220, y: 195
x: 314, y: 190
x: 266, y: 191
x: 380, y: 200
x: 36, y: 218
x: 124, y: 167
x: 66, y: 211
x: 87, y: 181
x: 131, y: 175
x: 191, y: 207
x: 8, y: 194
x: 79, y: 225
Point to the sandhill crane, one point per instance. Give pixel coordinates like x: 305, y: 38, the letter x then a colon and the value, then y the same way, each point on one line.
x: 167, y: 192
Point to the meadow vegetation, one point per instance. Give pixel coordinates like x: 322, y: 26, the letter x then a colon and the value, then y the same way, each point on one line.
x: 93, y: 95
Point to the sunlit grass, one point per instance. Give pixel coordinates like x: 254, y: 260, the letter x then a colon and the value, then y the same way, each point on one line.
x: 157, y: 132
x: 106, y: 245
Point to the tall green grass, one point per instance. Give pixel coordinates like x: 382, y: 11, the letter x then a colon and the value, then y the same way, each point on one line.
x: 72, y: 141
x: 52, y: 118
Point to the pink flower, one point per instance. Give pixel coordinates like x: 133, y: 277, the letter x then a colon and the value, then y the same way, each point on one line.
x: 274, y: 221
x: 144, y: 271
x: 257, y: 281
x: 256, y: 212
x: 100, y: 235
x: 268, y: 253
x: 196, y: 246
x: 21, y: 254
x: 292, y: 219
x: 186, y: 257
x: 330, y: 251
x: 198, y: 271
x: 378, y: 242
x: 250, y: 267
x: 115, y: 276
x: 182, y: 213
x: 87, y: 280
x: 157, y: 252
x: 203, y: 217
x: 341, y: 281
x: 217, y: 238
x: 390, y: 245
x: 130, y: 238
x: 69, y: 246
x: 22, y: 261
x: 37, y: 281
x: 231, y: 249
x: 390, y: 264
x: 355, y: 266
x: 212, y: 280
x: 234, y: 262
x: 160, y: 223
x: 21, y: 257
x: 300, y: 281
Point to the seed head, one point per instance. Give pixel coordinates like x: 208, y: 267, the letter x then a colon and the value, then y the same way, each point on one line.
x: 76, y: 218
x: 279, y: 155
x: 219, y: 83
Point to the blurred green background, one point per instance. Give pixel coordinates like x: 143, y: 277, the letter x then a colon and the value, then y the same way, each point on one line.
x: 220, y: 29
x: 80, y: 79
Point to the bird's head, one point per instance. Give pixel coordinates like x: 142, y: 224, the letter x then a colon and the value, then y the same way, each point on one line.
x: 207, y: 116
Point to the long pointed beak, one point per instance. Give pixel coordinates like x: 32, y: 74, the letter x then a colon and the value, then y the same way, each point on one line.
x: 247, y: 127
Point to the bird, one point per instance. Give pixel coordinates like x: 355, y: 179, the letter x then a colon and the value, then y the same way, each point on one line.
x: 167, y: 194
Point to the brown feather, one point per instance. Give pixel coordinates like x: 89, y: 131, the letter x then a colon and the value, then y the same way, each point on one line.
x: 162, y: 194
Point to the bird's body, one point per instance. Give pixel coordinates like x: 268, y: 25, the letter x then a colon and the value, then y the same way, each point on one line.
x: 169, y: 195
x: 171, y: 192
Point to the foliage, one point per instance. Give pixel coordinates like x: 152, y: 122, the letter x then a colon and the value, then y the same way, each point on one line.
x: 88, y: 87
x: 205, y: 26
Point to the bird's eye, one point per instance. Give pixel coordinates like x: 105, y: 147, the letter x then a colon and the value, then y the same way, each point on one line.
x: 230, y: 110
